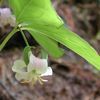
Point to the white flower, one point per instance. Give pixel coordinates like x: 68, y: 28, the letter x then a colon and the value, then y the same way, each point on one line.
x: 6, y: 17
x: 34, y: 71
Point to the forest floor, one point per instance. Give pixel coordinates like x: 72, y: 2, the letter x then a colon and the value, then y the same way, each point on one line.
x: 73, y: 78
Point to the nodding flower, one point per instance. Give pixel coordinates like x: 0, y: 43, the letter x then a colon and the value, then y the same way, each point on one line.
x: 34, y: 71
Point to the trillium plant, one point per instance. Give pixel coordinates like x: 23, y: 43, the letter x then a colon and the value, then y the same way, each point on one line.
x: 39, y: 18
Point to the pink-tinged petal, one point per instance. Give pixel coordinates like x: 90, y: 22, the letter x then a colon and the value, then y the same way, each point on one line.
x: 48, y: 72
x: 36, y: 70
x: 37, y: 63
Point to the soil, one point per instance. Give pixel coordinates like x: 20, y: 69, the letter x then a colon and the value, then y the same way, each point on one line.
x: 73, y: 77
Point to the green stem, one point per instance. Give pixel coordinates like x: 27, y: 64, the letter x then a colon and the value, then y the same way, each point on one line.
x: 8, y: 38
x: 24, y: 37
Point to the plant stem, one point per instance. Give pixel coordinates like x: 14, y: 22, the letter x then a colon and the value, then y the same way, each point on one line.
x: 24, y: 37
x: 8, y: 38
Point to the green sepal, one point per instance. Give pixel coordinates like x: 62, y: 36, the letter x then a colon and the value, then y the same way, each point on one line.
x: 26, y: 51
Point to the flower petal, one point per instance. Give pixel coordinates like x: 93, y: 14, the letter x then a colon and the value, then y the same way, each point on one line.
x: 24, y: 76
x: 48, y: 72
x: 18, y: 66
x: 37, y: 64
x: 37, y: 61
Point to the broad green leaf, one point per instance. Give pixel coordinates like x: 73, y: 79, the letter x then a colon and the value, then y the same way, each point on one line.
x: 44, y: 22
x: 42, y: 12
x: 35, y: 11
x: 48, y: 44
x: 70, y: 40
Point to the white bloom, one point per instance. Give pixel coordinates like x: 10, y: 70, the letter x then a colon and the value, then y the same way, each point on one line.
x: 6, y: 17
x: 34, y: 71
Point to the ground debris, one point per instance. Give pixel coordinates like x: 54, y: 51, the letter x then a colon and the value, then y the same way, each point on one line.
x: 70, y: 81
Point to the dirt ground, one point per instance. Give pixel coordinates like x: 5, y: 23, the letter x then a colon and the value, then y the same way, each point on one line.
x: 73, y: 77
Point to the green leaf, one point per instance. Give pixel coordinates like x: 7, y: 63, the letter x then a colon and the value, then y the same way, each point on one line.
x: 48, y: 44
x: 42, y: 12
x: 70, y: 40
x: 35, y: 11
x: 44, y: 54
x: 46, y: 24
x: 26, y: 51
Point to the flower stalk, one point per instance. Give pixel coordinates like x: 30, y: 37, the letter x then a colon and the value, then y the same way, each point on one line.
x: 24, y: 37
